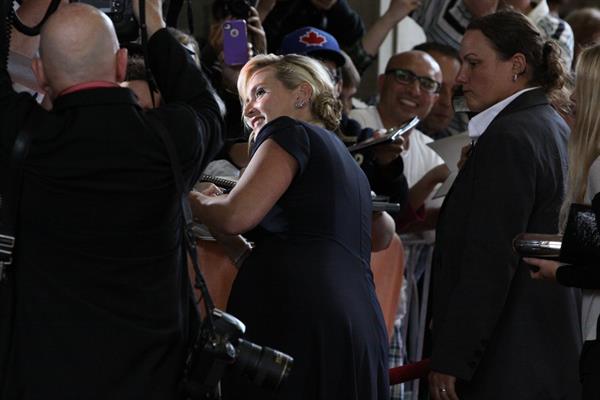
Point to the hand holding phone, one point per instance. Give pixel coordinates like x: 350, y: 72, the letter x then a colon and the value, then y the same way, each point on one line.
x: 235, y: 42
x: 394, y: 135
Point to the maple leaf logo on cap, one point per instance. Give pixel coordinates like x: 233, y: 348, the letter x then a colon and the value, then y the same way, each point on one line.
x: 312, y: 38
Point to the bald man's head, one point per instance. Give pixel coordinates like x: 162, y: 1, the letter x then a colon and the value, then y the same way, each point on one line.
x: 78, y: 44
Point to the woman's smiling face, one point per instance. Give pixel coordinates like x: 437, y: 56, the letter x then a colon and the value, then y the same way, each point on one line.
x: 266, y: 99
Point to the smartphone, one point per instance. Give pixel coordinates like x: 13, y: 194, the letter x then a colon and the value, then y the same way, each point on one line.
x: 235, y: 42
x: 538, y: 245
x: 391, y: 136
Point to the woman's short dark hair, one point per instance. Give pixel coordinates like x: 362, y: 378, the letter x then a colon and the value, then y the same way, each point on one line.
x: 511, y: 32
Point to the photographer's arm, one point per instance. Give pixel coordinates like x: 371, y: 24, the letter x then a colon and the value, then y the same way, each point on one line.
x: 183, y: 86
x: 154, y: 17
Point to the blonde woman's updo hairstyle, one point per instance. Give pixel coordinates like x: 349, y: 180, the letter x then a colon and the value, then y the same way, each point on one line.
x: 292, y: 70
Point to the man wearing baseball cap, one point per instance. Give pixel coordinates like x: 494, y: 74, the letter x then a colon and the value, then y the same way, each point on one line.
x: 313, y: 42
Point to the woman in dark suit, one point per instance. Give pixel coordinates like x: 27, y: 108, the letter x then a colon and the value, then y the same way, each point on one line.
x: 498, y: 334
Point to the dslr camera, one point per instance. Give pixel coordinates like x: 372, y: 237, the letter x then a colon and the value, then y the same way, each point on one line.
x: 121, y: 14
x: 220, y: 349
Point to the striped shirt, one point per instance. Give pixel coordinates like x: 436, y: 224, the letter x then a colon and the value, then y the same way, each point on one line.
x: 444, y: 21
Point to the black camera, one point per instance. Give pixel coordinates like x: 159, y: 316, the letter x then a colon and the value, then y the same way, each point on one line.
x: 121, y: 14
x: 220, y: 348
x: 239, y: 9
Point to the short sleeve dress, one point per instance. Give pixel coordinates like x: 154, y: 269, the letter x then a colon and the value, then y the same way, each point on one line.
x: 307, y: 288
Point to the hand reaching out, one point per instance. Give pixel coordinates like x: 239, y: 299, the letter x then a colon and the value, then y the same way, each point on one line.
x: 438, y: 174
x: 154, y: 18
x: 256, y: 32
x: 399, y: 9
x: 264, y: 7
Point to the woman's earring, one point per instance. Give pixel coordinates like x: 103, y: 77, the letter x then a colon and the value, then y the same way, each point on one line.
x: 515, y: 77
x: 299, y: 104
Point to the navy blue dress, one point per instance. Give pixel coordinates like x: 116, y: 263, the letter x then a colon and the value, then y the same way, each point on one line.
x: 307, y: 288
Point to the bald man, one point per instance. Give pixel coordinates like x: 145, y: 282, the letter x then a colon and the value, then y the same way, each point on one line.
x: 102, y: 307
x: 409, y: 87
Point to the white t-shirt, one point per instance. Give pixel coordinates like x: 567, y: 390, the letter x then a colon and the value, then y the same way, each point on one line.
x: 418, y: 159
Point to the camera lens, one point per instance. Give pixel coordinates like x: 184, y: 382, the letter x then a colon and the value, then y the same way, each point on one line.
x: 266, y: 368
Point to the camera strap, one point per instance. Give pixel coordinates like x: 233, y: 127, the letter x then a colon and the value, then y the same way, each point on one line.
x: 11, y: 199
x: 9, y: 214
x: 186, y: 212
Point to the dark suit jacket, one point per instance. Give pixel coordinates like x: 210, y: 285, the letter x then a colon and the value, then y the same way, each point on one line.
x: 504, y: 335
x: 102, y: 302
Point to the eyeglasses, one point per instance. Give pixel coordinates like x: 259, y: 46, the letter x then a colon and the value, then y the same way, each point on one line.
x: 407, y: 77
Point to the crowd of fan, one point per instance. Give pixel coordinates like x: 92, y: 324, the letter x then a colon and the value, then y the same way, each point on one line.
x: 418, y: 81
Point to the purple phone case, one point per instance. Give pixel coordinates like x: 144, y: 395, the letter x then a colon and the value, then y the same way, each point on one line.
x: 235, y: 42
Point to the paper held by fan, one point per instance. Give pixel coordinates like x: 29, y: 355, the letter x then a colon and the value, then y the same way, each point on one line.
x: 449, y: 149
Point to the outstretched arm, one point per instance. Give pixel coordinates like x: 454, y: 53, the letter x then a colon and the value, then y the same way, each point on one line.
x: 396, y: 12
x: 267, y: 177
x: 154, y: 18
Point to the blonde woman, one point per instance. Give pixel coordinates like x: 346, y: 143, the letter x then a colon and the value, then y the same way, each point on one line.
x: 306, y: 289
x: 584, y: 184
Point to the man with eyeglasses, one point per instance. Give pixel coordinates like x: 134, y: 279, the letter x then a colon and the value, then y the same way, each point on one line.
x: 408, y: 88
x: 442, y: 121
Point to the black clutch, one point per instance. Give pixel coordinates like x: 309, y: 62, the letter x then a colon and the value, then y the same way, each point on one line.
x: 581, y: 239
x: 579, y: 245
